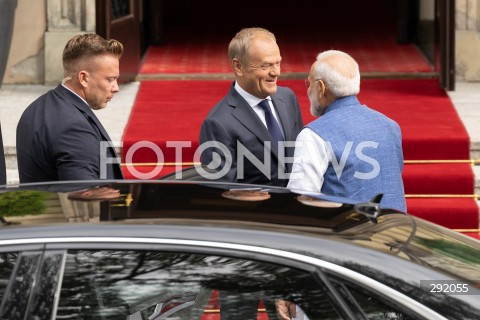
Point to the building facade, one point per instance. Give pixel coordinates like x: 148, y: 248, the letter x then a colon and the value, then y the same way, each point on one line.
x: 42, y: 27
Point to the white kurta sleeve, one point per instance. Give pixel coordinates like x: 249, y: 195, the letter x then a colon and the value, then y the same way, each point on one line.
x: 310, y: 162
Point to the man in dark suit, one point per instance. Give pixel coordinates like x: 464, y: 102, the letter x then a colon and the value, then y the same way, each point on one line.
x: 3, y: 169
x: 240, y: 124
x: 58, y: 136
x: 256, y: 119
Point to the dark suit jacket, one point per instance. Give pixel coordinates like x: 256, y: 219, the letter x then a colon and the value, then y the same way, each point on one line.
x: 58, y: 138
x: 232, y: 120
x: 3, y: 170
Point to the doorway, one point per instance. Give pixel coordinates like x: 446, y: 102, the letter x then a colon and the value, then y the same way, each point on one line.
x: 386, y: 37
x: 121, y: 20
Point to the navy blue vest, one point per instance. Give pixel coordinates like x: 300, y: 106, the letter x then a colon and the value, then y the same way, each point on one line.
x: 366, y: 157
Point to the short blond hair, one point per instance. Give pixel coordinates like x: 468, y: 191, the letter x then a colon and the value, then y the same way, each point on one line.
x: 85, y: 46
x: 240, y: 44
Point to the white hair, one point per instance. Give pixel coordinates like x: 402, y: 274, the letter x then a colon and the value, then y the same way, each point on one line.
x: 339, y: 71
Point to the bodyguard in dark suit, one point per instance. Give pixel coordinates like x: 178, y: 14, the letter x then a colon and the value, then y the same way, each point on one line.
x: 3, y: 169
x: 243, y: 120
x: 58, y: 136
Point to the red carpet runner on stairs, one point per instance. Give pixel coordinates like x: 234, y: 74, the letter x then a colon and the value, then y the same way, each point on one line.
x: 167, y: 111
x: 298, y: 52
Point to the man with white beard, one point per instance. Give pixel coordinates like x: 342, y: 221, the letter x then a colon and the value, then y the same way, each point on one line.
x: 350, y: 150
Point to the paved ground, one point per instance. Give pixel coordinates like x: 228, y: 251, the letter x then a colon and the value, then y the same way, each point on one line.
x: 15, y: 98
x: 466, y: 99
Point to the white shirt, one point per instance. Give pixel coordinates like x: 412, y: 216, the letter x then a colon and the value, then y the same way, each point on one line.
x: 74, y: 93
x: 254, y: 101
x: 311, y: 160
x: 300, y: 314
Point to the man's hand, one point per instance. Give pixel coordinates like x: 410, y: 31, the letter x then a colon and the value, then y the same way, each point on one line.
x: 95, y: 194
x: 286, y: 310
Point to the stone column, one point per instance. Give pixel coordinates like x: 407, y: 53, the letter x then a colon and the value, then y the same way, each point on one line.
x: 79, y: 211
x: 7, y: 18
x: 65, y: 18
x: 467, y: 37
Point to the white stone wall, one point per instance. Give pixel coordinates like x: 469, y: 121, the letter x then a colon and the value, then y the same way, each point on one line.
x: 467, y: 40
x: 25, y: 60
x: 42, y: 28
x: 65, y: 19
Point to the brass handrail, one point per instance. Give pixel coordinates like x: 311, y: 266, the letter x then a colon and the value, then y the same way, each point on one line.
x: 464, y: 196
x: 467, y: 230
x: 473, y: 162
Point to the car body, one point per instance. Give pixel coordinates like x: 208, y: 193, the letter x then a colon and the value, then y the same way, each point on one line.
x: 166, y: 249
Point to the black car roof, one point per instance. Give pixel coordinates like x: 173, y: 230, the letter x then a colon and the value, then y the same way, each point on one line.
x: 219, y: 201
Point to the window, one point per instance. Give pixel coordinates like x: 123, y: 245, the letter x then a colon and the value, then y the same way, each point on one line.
x: 7, y: 263
x: 120, y: 8
x: 365, y: 304
x: 115, y: 284
x: 16, y: 292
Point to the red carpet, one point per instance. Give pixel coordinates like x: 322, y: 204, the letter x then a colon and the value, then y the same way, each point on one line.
x: 366, y: 30
x: 207, y: 54
x: 172, y: 111
x: 472, y: 234
x: 430, y: 125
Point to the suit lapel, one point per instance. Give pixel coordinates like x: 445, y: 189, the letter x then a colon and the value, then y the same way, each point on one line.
x: 282, y: 112
x: 246, y: 116
x: 244, y: 113
x: 99, y: 126
x: 78, y: 103
x: 100, y: 129
x: 87, y: 111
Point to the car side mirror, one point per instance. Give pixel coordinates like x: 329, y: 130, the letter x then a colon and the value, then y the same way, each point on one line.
x: 370, y: 209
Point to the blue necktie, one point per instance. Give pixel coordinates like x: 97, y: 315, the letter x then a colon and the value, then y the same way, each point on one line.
x: 272, y: 124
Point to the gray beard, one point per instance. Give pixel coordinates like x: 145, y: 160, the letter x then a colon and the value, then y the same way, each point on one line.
x: 315, y: 108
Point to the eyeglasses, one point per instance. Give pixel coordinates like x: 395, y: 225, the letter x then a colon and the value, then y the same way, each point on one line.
x: 307, y: 82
